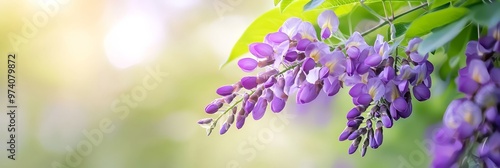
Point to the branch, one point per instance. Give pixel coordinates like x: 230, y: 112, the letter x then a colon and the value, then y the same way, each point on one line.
x: 390, y: 20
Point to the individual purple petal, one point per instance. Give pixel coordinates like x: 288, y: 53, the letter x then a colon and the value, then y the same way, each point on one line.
x: 391, y: 91
x: 421, y: 92
x: 335, y: 62
x: 247, y: 64
x: 375, y: 88
x: 290, y: 26
x: 386, y: 120
x: 379, y: 134
x: 354, y: 145
x: 249, y: 82
x: 362, y: 68
x: 224, y: 128
x: 213, y: 107
x: 259, y: 109
x: 413, y: 45
x: 306, y: 31
x: 387, y: 74
x: 353, y: 52
x: 328, y: 22
x: 478, y: 71
x: 416, y: 57
x: 291, y: 56
x: 354, y: 112
x: 400, y: 104
x: 277, y: 104
x: 405, y: 72
x: 356, y: 40
x: 281, y: 50
x: 421, y: 73
x: 261, y: 50
x: 491, y: 114
x: 345, y: 134
x: 365, y: 147
x: 357, y: 133
x: 277, y: 37
x: 357, y: 89
x: 495, y: 75
x: 490, y: 148
x: 464, y: 116
x: 307, y: 93
x: 205, y: 121
x: 445, y: 155
x: 352, y: 149
x: 373, y: 60
x: 326, y: 33
x: 249, y: 105
x: 331, y: 86
x: 466, y: 85
x: 364, y: 99
x: 240, y: 122
x: 315, y: 74
x: 225, y: 90
x: 308, y: 65
x: 373, y: 143
x: 270, y: 82
x: 403, y: 114
x: 316, y: 50
x: 354, y: 123
x: 394, y: 113
x: 302, y: 44
x: 488, y: 96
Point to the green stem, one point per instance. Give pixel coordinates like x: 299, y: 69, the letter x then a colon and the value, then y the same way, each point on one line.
x: 390, y: 20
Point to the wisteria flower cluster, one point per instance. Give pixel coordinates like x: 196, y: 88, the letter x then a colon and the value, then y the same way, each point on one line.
x: 294, y: 60
x: 473, y: 121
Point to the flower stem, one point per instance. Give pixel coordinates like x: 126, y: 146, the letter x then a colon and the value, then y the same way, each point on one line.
x: 392, y: 19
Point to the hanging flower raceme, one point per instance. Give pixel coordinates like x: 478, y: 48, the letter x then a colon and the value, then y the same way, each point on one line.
x: 294, y: 60
x: 381, y: 84
x: 473, y: 121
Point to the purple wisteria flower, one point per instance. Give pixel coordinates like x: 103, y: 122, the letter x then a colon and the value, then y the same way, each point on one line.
x: 295, y: 61
x: 473, y: 121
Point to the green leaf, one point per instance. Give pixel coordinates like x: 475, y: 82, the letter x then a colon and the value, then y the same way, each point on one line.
x: 284, y: 4
x: 426, y: 23
x: 313, y: 4
x: 442, y: 36
x: 276, y: 2
x: 459, y: 43
x: 335, y: 3
x: 401, y: 28
x: 486, y: 14
x: 438, y: 3
x: 267, y: 23
x: 273, y: 19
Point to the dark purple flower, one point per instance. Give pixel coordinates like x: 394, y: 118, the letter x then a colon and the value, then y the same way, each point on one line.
x: 463, y: 116
x: 478, y: 72
x: 213, y: 107
x: 259, y: 109
x: 307, y: 93
x: 329, y: 23
x: 412, y: 51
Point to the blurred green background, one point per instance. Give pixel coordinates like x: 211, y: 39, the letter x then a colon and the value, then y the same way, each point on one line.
x: 79, y: 62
